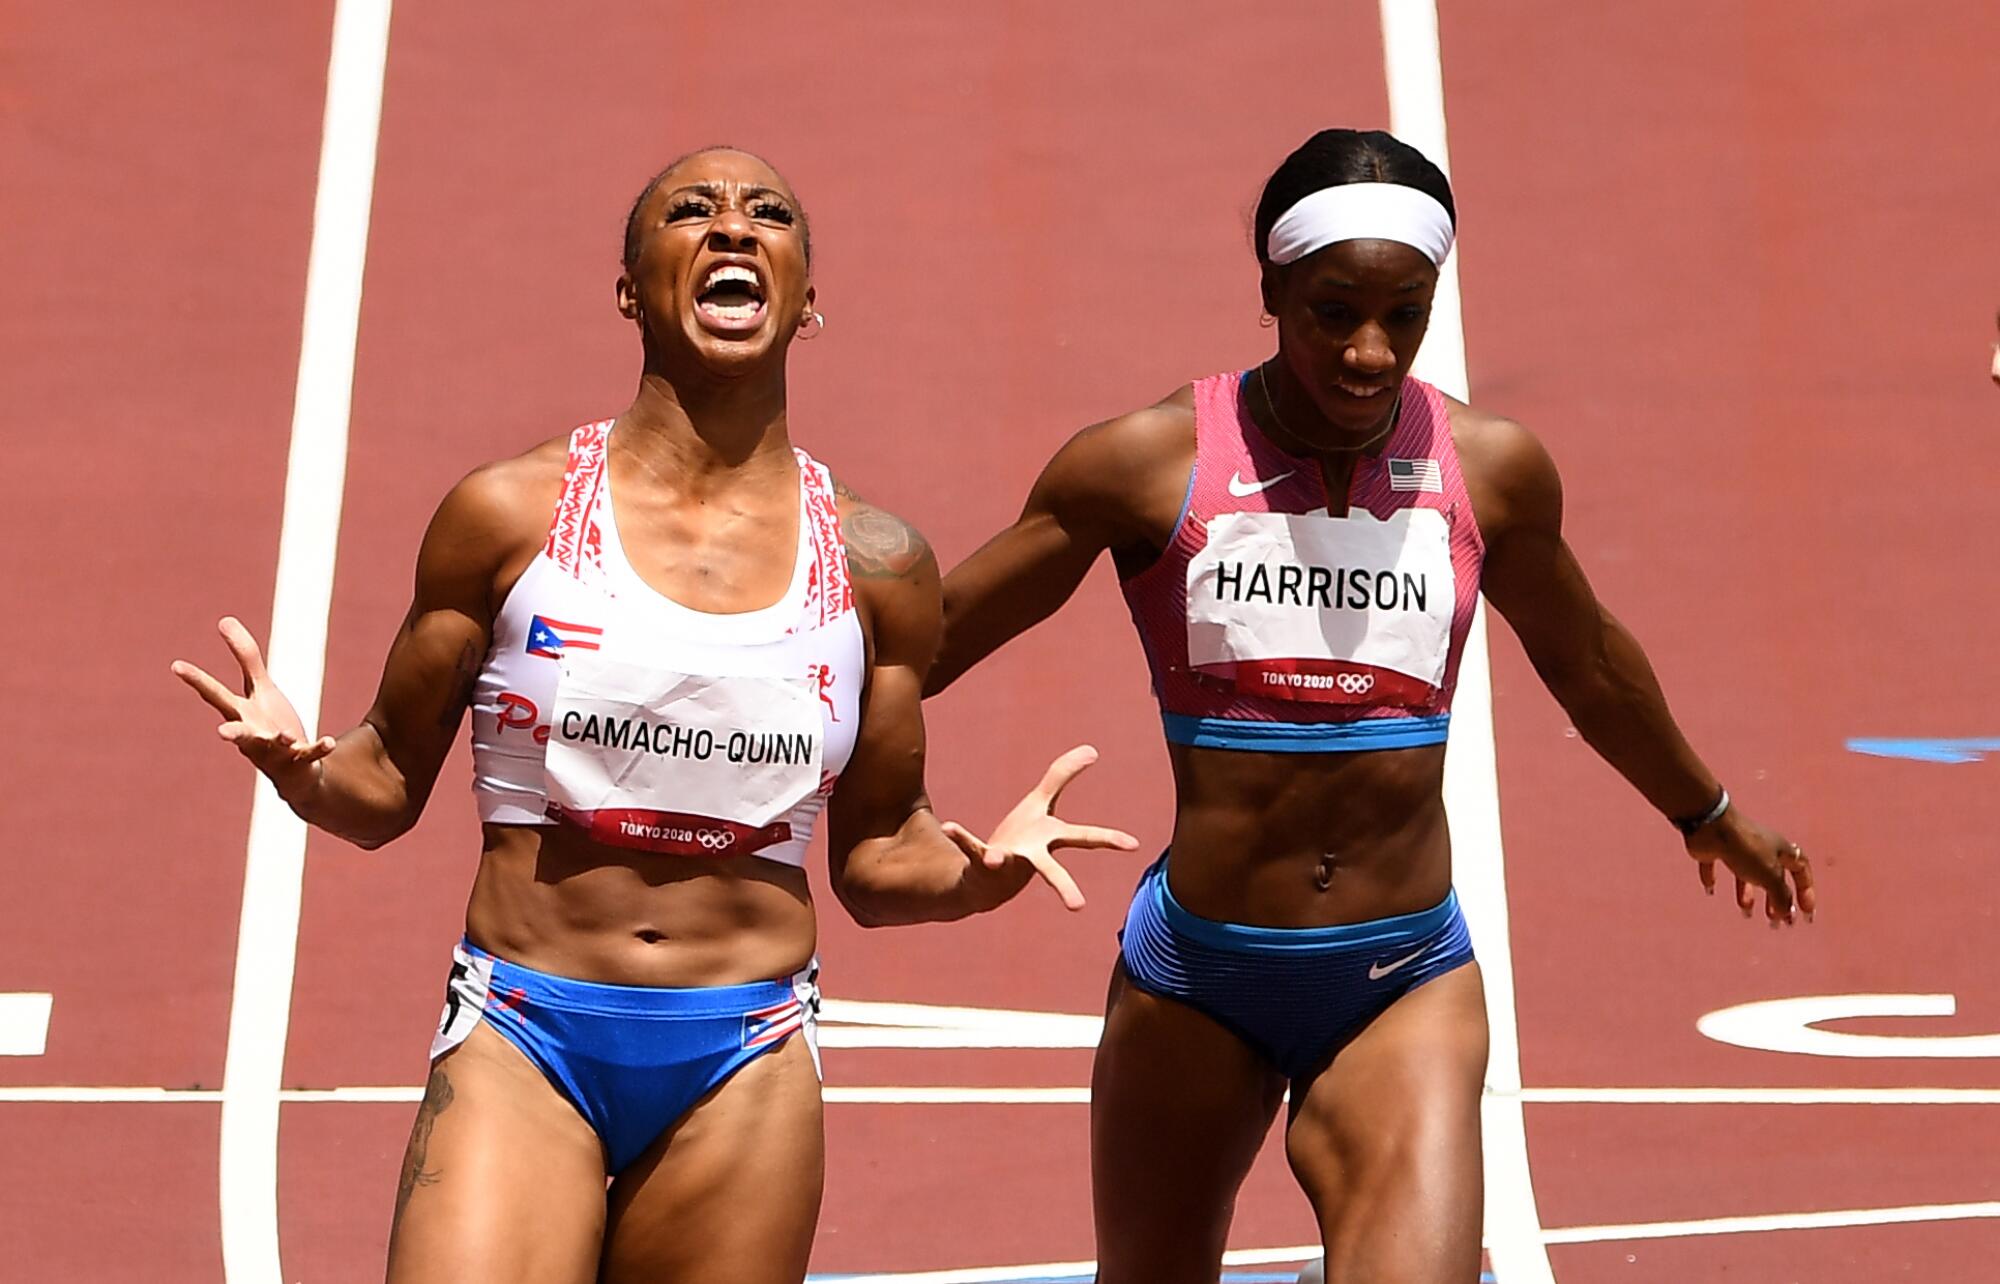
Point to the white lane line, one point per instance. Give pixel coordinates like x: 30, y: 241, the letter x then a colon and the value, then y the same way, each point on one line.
x: 1764, y: 1096
x: 981, y: 1274
x: 952, y: 1096
x: 116, y: 1095
x: 315, y: 474
x: 859, y: 1023
x: 862, y: 1096
x: 1568, y: 1235
x: 1777, y: 1222
x: 362, y: 1095
x: 1415, y: 73
x: 24, y: 1024
x: 1079, y: 1094
x: 1066, y: 1270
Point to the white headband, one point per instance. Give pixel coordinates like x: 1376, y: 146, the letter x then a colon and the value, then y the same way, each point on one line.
x: 1362, y: 212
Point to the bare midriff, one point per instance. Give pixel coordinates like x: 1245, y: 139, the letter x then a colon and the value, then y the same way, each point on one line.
x: 553, y: 900
x: 1309, y: 840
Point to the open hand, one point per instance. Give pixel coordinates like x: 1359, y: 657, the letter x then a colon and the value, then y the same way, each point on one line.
x: 1759, y: 858
x: 1032, y: 831
x: 261, y: 723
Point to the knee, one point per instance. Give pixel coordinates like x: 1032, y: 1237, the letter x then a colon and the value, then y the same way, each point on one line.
x: 1397, y: 1198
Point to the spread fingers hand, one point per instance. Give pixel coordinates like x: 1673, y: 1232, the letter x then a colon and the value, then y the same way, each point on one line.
x: 219, y: 697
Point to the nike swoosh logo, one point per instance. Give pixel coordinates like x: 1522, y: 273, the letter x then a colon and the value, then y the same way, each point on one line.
x: 1244, y: 490
x: 1377, y: 971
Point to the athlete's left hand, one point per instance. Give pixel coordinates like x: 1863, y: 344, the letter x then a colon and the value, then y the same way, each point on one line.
x: 1760, y: 858
x: 1031, y: 831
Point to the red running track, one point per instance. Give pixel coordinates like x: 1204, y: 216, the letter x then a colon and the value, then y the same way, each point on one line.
x: 1734, y: 266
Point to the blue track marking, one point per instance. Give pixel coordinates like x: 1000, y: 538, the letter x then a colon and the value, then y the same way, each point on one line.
x: 1923, y: 750
x: 1229, y: 1277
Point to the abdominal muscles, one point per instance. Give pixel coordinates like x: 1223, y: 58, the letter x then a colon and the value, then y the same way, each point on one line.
x: 1309, y: 840
x: 548, y: 898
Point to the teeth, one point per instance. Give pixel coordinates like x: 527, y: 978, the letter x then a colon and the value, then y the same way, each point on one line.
x: 730, y: 272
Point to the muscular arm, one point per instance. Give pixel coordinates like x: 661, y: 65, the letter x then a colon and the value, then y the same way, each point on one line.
x: 1116, y: 485
x: 374, y: 784
x: 1595, y: 669
x: 889, y: 857
x: 1589, y: 661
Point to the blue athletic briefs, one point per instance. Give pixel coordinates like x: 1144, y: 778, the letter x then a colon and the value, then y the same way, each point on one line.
x: 631, y: 1059
x: 1296, y: 995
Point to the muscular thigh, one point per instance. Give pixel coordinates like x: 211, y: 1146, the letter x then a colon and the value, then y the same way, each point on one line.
x: 1385, y: 1140
x: 502, y: 1180
x: 1179, y: 1107
x: 731, y: 1191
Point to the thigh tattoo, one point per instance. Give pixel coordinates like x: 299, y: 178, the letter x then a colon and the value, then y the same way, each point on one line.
x: 416, y: 1172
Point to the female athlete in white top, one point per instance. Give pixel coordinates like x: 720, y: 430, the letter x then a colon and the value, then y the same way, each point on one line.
x: 664, y: 692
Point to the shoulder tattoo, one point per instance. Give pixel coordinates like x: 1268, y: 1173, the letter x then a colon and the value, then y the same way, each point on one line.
x: 880, y: 545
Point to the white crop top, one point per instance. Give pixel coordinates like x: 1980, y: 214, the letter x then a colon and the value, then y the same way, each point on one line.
x: 606, y: 705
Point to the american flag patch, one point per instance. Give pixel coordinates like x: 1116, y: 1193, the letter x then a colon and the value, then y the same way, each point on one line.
x: 549, y: 638
x: 1416, y: 474
x: 768, y: 1025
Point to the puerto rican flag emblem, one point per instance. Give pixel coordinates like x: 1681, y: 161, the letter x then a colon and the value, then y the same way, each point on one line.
x: 550, y: 638
x: 768, y: 1025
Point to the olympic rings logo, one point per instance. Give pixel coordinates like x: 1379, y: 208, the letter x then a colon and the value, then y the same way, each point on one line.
x: 714, y: 839
x: 1356, y: 683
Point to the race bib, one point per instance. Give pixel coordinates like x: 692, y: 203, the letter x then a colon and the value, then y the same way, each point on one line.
x: 692, y: 764
x: 1335, y: 610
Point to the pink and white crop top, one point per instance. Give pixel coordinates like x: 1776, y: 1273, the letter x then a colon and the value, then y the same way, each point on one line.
x: 1270, y: 625
x: 607, y: 706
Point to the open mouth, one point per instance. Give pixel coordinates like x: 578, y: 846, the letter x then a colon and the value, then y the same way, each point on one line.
x: 1360, y: 391
x: 731, y: 296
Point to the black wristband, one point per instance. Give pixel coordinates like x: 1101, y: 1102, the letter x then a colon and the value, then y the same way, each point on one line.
x: 1689, y: 824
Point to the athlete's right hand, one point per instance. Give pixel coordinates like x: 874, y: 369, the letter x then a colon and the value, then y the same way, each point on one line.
x: 261, y: 723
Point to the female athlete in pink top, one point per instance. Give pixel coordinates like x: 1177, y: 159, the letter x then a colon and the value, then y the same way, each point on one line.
x: 677, y: 640
x: 1300, y: 544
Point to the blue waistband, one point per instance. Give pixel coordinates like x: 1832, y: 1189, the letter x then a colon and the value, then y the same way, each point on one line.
x: 1245, y: 939
x: 550, y: 991
x: 1306, y: 737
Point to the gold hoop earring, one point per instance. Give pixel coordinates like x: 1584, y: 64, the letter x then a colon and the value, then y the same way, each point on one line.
x: 811, y: 330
